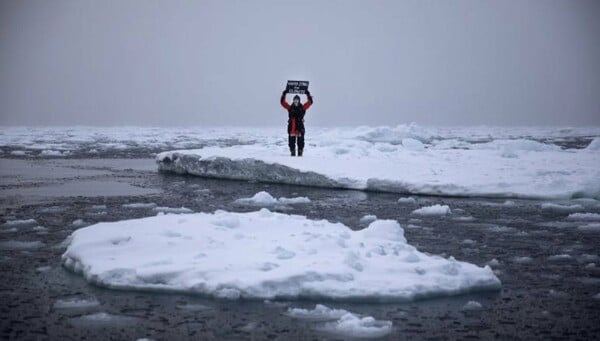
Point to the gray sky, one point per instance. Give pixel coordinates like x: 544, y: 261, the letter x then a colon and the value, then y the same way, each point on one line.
x: 503, y: 62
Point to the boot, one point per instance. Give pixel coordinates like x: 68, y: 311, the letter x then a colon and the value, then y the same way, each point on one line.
x: 300, y: 152
x: 293, y: 152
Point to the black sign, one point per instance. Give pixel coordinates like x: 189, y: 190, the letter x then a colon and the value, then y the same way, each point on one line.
x: 297, y: 87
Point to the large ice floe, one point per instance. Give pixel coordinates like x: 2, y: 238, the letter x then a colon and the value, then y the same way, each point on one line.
x: 267, y: 255
x: 405, y: 159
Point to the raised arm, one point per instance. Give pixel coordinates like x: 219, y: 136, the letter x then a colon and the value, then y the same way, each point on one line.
x: 283, y: 102
x: 309, y: 102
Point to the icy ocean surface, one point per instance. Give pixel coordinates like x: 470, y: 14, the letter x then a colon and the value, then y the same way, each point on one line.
x: 544, y: 163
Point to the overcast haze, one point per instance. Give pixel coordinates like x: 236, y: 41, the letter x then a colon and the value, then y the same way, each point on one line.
x: 368, y: 62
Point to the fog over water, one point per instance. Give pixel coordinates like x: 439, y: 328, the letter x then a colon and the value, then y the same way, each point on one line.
x: 369, y: 62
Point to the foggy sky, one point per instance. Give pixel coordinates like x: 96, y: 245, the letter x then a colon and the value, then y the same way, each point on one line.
x: 515, y: 62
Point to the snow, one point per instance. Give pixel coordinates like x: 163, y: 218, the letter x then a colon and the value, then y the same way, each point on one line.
x: 342, y: 322
x: 407, y: 200
x: 20, y: 222
x: 264, y: 198
x: 20, y: 245
x: 561, y: 208
x: 266, y: 255
x: 584, y: 216
x: 558, y: 258
x: 319, y: 313
x: 472, y: 305
x: 367, y: 219
x: 140, y: 205
x: 174, y: 210
x: 75, y: 303
x: 78, y: 223
x: 50, y: 152
x: 434, y: 210
x: 354, y: 326
x: 408, y: 160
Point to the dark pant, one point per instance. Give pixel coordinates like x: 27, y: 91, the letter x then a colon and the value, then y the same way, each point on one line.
x: 292, y: 142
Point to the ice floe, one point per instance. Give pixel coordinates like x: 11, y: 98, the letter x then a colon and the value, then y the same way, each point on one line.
x: 548, y: 206
x: 407, y: 200
x: 264, y: 198
x: 342, y: 322
x: 266, y: 255
x: 434, y: 210
x: 140, y: 205
x: 387, y: 159
x: 368, y: 218
x: 472, y: 305
x: 174, y: 210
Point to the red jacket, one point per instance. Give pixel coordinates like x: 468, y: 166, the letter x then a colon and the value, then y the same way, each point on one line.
x: 296, y: 115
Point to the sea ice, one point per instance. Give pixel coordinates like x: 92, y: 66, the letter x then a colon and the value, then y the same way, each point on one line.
x: 319, y: 313
x: 342, y: 322
x: 368, y: 218
x: 140, y: 205
x: 266, y: 255
x: 353, y: 326
x: 174, y: 210
x: 433, y: 210
x: 407, y: 200
x: 472, y: 305
x: 561, y: 208
x: 264, y: 198
x: 390, y: 159
x: 20, y: 222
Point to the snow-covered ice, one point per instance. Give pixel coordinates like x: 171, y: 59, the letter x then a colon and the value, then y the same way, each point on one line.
x: 384, y: 159
x: 20, y: 222
x: 175, y: 210
x: 548, y: 206
x: 407, y: 200
x: 342, y: 322
x: 351, y: 325
x: 140, y: 205
x: 266, y: 255
x: 319, y: 313
x: 368, y: 218
x: 472, y: 305
x: 433, y: 210
x: 264, y: 198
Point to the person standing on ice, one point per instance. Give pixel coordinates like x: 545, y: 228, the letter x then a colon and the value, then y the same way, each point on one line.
x: 295, y: 127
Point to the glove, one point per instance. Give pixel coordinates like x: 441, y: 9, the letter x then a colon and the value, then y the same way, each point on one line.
x: 284, y: 92
x: 307, y: 93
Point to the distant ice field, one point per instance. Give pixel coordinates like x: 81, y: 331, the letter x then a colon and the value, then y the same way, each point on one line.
x: 517, y: 162
x: 52, y: 142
